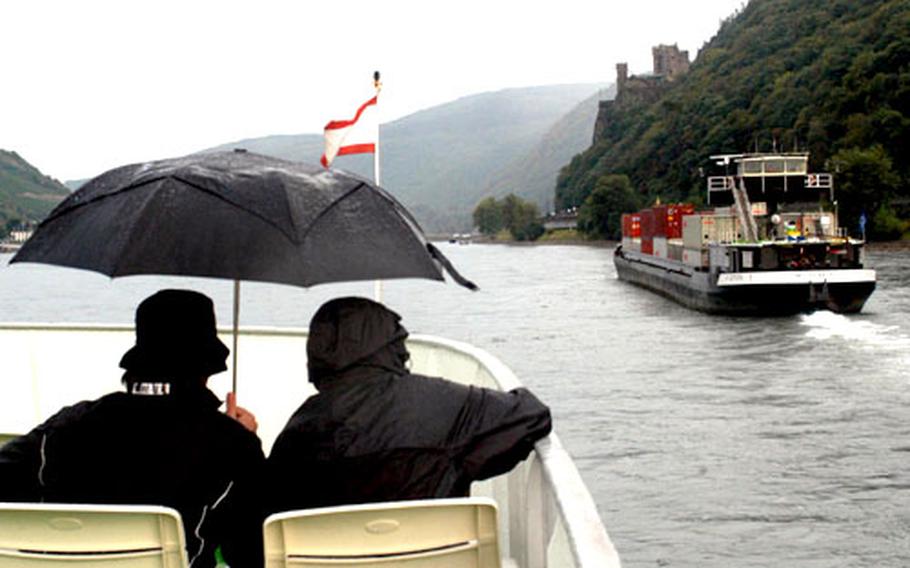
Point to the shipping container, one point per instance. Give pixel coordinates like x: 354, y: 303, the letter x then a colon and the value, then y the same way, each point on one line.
x: 674, y: 249
x: 675, y: 214
x: 695, y: 257
x: 692, y: 234
x: 699, y: 230
x: 660, y: 220
x: 660, y: 247
x: 647, y: 223
x: 647, y: 245
x: 718, y: 257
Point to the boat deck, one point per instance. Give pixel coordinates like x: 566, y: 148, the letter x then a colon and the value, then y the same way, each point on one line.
x: 547, y: 515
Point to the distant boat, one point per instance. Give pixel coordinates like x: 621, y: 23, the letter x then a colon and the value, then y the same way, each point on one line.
x: 460, y: 238
x: 770, y: 246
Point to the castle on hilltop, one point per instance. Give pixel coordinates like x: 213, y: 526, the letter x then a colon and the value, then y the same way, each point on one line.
x: 669, y: 64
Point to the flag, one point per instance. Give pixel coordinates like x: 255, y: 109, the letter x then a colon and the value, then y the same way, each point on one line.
x: 355, y: 136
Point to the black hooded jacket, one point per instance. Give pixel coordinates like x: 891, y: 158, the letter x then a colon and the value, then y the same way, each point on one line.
x: 375, y: 432
x: 174, y: 450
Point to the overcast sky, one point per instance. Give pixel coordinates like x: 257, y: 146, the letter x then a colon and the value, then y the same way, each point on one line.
x: 88, y: 85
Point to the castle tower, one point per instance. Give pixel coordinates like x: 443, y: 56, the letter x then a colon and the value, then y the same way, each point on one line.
x: 622, y: 74
x: 669, y: 61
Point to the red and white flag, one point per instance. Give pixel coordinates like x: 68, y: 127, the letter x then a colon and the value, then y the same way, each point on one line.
x: 355, y: 136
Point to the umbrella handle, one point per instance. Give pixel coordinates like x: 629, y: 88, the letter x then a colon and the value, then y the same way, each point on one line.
x: 234, y: 350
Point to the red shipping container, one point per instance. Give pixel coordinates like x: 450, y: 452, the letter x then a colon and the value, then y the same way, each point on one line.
x: 674, y: 218
x: 647, y: 245
x: 660, y: 220
x: 647, y: 223
x: 636, y: 225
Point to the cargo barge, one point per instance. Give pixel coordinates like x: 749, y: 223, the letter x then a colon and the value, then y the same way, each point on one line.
x: 769, y: 244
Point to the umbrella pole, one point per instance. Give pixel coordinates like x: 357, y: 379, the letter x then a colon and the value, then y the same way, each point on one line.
x: 377, y: 286
x: 236, y: 319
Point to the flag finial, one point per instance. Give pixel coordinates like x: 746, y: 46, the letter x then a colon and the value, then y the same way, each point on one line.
x: 376, y: 82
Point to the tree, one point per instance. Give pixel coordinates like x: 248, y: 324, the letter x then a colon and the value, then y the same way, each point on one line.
x: 866, y: 182
x: 488, y: 216
x: 601, y: 214
x: 9, y: 227
x: 520, y: 217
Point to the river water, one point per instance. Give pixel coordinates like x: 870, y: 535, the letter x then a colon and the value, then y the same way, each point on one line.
x: 706, y: 441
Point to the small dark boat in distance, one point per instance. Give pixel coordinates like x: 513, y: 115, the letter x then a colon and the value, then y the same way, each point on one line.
x: 771, y: 244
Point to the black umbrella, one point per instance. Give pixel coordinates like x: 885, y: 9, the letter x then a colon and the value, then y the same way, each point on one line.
x: 236, y: 215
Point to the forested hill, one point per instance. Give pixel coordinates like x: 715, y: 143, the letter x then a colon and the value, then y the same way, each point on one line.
x: 532, y: 175
x: 25, y: 193
x: 441, y: 161
x: 828, y: 76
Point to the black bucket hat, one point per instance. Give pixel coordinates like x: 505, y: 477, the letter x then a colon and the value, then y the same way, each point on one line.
x: 175, y: 337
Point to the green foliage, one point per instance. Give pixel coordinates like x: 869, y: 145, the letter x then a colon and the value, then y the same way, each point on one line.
x: 26, y: 195
x: 561, y: 235
x: 827, y: 76
x: 488, y: 216
x: 886, y: 225
x: 519, y: 217
x: 601, y: 214
x: 866, y: 183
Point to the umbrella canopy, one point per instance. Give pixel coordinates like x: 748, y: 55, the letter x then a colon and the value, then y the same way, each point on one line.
x: 236, y: 215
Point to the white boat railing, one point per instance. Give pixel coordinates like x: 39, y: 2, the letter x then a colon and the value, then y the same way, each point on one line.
x: 548, y: 518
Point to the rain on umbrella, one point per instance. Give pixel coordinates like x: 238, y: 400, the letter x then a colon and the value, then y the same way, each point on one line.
x: 236, y: 215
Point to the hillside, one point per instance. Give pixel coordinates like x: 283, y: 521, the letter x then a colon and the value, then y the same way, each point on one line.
x: 828, y: 76
x: 533, y: 175
x: 442, y: 160
x: 25, y: 193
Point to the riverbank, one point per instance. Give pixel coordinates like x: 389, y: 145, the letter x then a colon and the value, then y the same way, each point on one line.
x: 886, y: 246
x: 889, y: 246
x: 548, y: 242
x: 549, y: 239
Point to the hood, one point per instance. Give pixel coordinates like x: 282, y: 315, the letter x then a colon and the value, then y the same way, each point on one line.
x: 354, y: 337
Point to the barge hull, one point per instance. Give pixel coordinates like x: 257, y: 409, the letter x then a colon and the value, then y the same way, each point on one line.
x: 699, y: 290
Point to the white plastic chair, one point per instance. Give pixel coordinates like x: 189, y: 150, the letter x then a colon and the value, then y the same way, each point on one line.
x: 109, y: 536
x: 450, y: 533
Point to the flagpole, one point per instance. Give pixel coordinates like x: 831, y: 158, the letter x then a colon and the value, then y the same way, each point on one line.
x: 377, y: 285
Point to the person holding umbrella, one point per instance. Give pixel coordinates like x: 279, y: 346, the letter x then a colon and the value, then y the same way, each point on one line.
x: 376, y: 432
x: 162, y: 442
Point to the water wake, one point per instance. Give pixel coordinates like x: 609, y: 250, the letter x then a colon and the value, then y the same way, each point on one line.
x: 825, y: 325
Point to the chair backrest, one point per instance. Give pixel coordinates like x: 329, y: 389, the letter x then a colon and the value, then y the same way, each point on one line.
x: 455, y: 533
x: 43, y: 535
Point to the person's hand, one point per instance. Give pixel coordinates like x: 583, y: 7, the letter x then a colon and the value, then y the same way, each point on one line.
x: 240, y: 414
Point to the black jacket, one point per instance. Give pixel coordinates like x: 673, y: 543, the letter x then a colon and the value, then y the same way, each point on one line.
x: 376, y: 432
x: 174, y: 450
